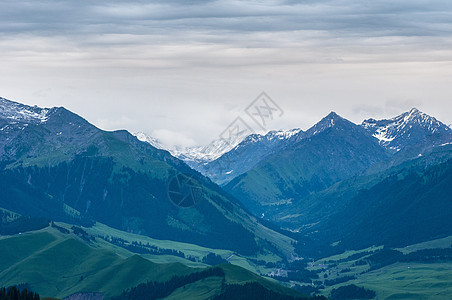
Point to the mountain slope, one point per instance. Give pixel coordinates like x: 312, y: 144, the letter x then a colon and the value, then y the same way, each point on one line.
x: 406, y: 204
x: 57, y: 265
x: 62, y: 167
x: 332, y: 150
x: 317, y: 207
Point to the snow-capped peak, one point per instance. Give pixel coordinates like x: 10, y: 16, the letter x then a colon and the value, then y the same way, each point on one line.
x: 331, y: 120
x: 16, y: 112
x: 206, y: 153
x: 283, y: 134
x: 269, y: 136
x: 410, y: 125
x: 218, y: 147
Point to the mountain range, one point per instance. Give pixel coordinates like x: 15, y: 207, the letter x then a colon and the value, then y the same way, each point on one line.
x: 335, y: 172
x: 312, y: 209
x: 413, y: 132
x: 54, y: 163
x: 297, y: 178
x: 335, y: 149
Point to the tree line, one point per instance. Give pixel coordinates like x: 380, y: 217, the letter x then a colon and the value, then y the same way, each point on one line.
x: 388, y: 257
x: 14, y: 293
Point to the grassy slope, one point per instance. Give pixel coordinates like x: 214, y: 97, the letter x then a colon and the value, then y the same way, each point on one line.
x: 407, y: 281
x: 193, y: 250
x: 237, y: 275
x: 188, y: 249
x: 410, y: 281
x: 202, y: 289
x: 397, y: 281
x: 206, y: 288
x: 54, y: 263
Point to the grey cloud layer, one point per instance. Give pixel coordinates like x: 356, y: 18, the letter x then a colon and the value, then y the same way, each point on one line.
x: 180, y: 33
x: 369, y: 18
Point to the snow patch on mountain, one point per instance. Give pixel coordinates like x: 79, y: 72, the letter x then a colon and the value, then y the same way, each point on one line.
x: 382, y: 135
x: 204, y: 154
x: 191, y: 155
x: 410, y: 126
x: 16, y: 112
x: 283, y: 134
x: 270, y: 136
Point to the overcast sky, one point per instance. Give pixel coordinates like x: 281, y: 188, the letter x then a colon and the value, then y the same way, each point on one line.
x: 184, y: 70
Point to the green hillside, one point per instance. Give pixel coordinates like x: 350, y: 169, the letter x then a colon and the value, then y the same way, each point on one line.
x: 410, y: 279
x: 57, y: 265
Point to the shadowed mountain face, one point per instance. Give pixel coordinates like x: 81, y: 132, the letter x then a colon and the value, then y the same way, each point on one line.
x: 56, y: 164
x: 406, y: 204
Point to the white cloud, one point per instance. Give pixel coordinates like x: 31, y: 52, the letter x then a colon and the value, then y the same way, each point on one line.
x: 173, y: 139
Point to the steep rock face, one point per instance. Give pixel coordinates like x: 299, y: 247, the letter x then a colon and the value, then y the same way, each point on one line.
x: 56, y: 164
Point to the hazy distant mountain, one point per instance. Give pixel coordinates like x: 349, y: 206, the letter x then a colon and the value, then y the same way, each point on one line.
x: 150, y: 140
x: 54, y: 163
x: 198, y: 156
x: 246, y: 155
